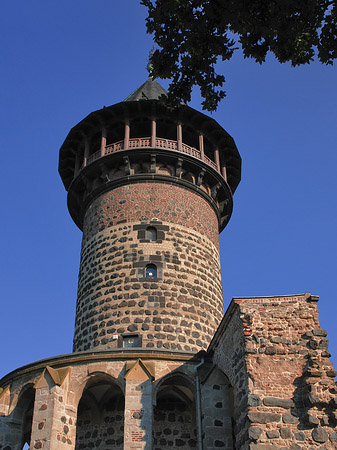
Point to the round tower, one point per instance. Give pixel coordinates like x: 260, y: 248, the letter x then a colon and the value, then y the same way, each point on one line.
x: 151, y: 188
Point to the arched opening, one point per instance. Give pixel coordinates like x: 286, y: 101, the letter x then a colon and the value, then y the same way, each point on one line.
x: 100, y: 416
x: 140, y: 127
x: 174, y: 423
x: 166, y: 129
x: 151, y: 271
x: 151, y: 234
x: 95, y: 143
x: 23, y: 414
x: 217, y: 400
x: 190, y: 136
x: 115, y: 133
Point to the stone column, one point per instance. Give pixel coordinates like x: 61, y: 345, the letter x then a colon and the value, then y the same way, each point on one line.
x: 180, y: 136
x: 126, y: 135
x: 201, y: 146
x: 153, y: 133
x: 224, y: 171
x: 54, y: 422
x: 103, y: 141
x: 138, y: 407
x: 217, y: 159
x: 86, y: 152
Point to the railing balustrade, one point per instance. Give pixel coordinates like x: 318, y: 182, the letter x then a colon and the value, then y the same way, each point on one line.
x: 146, y: 143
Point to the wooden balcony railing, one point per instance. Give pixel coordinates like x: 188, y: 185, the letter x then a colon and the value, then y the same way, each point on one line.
x: 146, y: 143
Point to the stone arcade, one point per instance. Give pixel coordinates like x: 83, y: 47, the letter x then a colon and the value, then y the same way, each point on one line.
x: 155, y: 363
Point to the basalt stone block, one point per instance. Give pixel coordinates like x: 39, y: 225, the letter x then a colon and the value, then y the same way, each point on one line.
x: 323, y: 344
x: 254, y: 433
x: 254, y: 400
x: 278, y: 402
x: 264, y: 447
x: 333, y: 437
x: 312, y: 420
x: 300, y: 436
x: 273, y: 434
x: 295, y: 446
x: 260, y: 417
x: 286, y: 433
x: 313, y: 399
x: 319, y: 435
x: 270, y: 350
x: 325, y: 420
x: 319, y: 332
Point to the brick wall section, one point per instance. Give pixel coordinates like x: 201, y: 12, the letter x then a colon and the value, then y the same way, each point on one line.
x: 144, y: 201
x: 292, y: 395
x: 178, y: 310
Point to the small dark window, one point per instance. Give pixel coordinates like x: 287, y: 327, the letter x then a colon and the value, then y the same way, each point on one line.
x: 151, y: 271
x: 151, y: 234
x: 131, y: 341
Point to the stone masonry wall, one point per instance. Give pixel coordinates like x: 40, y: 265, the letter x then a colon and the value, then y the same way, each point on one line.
x: 180, y: 308
x: 228, y: 351
x: 216, y: 407
x: 292, y: 395
x: 101, y: 428
x: 79, y: 404
x: 143, y: 201
x: 174, y: 425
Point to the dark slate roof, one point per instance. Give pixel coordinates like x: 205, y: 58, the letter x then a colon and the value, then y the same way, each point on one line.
x: 150, y: 90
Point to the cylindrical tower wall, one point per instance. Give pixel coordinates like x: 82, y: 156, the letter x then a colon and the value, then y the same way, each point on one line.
x: 181, y: 307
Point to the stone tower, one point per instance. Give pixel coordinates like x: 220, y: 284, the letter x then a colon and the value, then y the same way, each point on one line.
x: 155, y: 363
x: 151, y: 189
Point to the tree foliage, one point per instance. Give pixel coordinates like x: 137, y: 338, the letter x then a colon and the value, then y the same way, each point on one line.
x: 192, y: 35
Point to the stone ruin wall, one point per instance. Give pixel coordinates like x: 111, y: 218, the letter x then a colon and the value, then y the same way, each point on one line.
x: 292, y: 393
x: 228, y: 354
x: 182, y: 307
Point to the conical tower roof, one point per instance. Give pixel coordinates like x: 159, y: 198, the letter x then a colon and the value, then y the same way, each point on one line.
x: 150, y: 90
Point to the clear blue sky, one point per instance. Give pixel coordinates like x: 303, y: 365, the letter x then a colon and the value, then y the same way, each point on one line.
x: 62, y: 59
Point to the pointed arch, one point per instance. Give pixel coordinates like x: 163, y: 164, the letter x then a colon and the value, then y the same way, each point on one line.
x: 100, y: 413
x: 174, y: 423
x: 23, y: 413
x: 217, y: 400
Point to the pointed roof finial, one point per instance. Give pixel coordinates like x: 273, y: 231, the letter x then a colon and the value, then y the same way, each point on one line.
x: 149, y: 66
